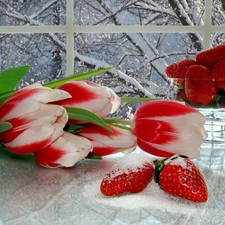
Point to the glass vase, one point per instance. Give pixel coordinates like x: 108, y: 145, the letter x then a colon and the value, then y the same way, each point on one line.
x: 212, y: 152
x: 213, y: 148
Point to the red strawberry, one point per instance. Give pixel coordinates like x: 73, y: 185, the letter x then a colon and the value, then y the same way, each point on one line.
x: 180, y: 177
x: 210, y: 57
x: 131, y: 174
x: 218, y: 74
x: 199, y: 87
x: 180, y: 95
x: 177, y: 70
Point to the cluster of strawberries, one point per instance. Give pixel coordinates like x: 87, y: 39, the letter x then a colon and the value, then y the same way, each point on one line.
x: 201, y: 80
x: 177, y: 176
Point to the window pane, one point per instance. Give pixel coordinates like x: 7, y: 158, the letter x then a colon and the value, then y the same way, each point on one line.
x: 218, y: 12
x: 126, y: 12
x: 45, y: 55
x: 34, y: 12
x: 218, y: 39
x: 143, y: 57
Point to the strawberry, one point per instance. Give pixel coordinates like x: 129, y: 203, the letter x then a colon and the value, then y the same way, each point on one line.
x: 131, y: 174
x: 218, y: 74
x: 210, y: 57
x: 179, y: 176
x: 180, y: 95
x: 177, y: 70
x: 199, y: 87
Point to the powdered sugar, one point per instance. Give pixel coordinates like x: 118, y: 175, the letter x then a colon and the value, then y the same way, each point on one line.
x: 131, y: 162
x: 151, y: 197
x: 176, y: 160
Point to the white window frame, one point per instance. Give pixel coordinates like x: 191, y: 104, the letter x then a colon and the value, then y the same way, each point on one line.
x: 69, y: 29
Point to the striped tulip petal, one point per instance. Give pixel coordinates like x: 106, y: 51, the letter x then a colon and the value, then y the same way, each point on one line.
x: 106, y: 143
x: 34, y: 123
x: 65, y: 151
x: 24, y: 101
x: 32, y: 139
x: 93, y: 97
x: 164, y: 128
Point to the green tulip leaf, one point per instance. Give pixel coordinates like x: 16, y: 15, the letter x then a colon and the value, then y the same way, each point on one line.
x: 4, y: 126
x: 77, y: 76
x: 29, y: 156
x: 10, y: 77
x: 83, y: 114
x: 4, y: 96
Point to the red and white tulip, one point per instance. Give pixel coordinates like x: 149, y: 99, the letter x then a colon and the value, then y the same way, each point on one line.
x: 87, y: 95
x: 65, y: 151
x: 106, y: 143
x: 164, y: 128
x: 35, y: 124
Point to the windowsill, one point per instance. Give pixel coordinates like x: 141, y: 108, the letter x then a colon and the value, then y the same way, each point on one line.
x: 31, y: 194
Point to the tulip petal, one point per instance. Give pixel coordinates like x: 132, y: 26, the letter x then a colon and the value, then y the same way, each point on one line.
x: 93, y: 97
x: 45, y: 114
x: 161, y: 136
x: 34, y: 138
x: 66, y: 151
x: 164, y: 128
x: 105, y: 142
x: 162, y: 108
x: 25, y: 100
x: 155, y: 131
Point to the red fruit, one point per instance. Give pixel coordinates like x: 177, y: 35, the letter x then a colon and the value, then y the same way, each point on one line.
x: 128, y: 175
x: 211, y: 56
x: 218, y: 74
x: 180, y: 177
x: 181, y: 96
x: 177, y: 70
x: 199, y: 87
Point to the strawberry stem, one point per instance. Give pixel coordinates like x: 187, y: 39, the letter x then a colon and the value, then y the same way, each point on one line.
x: 158, y: 168
x: 159, y: 164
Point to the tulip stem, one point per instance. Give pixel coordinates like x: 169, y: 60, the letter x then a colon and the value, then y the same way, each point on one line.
x: 90, y: 156
x: 127, y: 99
x: 117, y: 122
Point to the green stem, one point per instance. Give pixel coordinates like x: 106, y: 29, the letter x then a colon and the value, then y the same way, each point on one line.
x: 90, y: 156
x: 117, y: 122
x: 124, y: 99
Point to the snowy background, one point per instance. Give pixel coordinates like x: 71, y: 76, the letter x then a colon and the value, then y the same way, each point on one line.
x: 139, y: 59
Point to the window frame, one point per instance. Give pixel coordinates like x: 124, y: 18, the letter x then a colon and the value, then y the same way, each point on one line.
x: 69, y: 29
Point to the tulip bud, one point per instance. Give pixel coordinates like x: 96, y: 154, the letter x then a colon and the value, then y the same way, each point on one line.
x: 65, y: 151
x: 164, y: 128
x: 34, y: 123
x: 90, y: 96
x: 106, y: 143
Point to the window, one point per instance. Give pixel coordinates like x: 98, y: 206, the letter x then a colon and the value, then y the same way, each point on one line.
x: 138, y: 38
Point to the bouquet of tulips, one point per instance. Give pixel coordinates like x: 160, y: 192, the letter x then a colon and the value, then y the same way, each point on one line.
x: 65, y: 121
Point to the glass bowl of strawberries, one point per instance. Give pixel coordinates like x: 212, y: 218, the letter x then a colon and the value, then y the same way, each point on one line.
x: 200, y: 82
